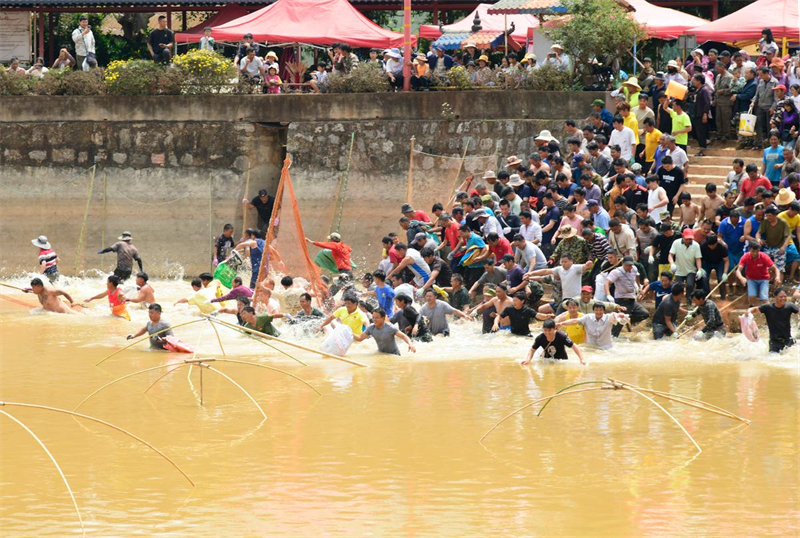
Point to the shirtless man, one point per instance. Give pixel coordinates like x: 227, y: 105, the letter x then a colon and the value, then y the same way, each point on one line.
x: 500, y: 302
x: 146, y: 295
x: 48, y: 297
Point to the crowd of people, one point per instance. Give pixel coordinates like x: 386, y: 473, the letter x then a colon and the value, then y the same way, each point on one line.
x: 578, y: 236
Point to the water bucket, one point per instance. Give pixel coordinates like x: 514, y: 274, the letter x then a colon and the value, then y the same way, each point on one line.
x: 676, y: 90
x: 747, y: 124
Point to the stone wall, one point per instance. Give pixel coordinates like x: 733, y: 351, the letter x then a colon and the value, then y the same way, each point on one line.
x: 172, y: 184
x: 172, y: 169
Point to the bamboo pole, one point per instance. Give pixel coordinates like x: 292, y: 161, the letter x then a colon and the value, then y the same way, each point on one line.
x: 242, y: 330
x: 274, y: 369
x: 675, y: 420
x: 288, y: 343
x: 117, y: 380
x: 211, y: 220
x: 567, y: 388
x: 229, y: 378
x: 85, y: 219
x: 53, y: 459
x: 677, y: 397
x: 142, y: 339
x: 104, y: 423
x: 720, y: 283
x: 105, y: 207
x: 410, y: 183
x: 537, y: 401
x: 13, y: 287
x: 219, y: 340
x: 246, y: 190
x: 162, y: 376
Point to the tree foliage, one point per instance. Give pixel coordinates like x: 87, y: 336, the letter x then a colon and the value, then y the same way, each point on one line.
x: 596, y: 29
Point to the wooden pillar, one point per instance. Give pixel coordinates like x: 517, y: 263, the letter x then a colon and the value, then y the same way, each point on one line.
x: 183, y: 21
x: 40, y: 49
x: 435, y: 13
x: 169, y: 17
x: 715, y: 10
x: 52, y: 45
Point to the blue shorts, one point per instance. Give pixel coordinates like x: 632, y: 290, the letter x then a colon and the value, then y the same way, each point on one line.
x: 733, y: 259
x: 791, y: 254
x: 758, y: 288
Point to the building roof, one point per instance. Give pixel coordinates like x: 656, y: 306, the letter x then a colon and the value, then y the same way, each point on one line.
x: 121, y: 3
x: 528, y: 7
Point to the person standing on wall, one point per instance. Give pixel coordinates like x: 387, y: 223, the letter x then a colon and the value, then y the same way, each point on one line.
x: 160, y: 42
x: 263, y: 203
x: 84, y: 43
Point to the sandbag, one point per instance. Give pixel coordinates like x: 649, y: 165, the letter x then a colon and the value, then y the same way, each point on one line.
x: 338, y: 341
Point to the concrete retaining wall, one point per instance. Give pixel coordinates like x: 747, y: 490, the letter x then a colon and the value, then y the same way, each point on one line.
x: 173, y: 169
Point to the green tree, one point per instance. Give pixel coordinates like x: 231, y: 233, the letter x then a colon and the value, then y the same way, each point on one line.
x: 596, y: 29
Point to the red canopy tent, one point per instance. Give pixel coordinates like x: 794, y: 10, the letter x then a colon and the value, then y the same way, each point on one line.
x: 315, y: 22
x: 663, y: 22
x: 495, y: 23
x: 746, y: 24
x: 226, y: 13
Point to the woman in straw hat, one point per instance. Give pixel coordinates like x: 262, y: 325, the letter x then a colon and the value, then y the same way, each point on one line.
x: 484, y: 75
x: 420, y: 72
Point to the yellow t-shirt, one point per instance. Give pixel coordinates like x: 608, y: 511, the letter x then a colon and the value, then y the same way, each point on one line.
x: 576, y: 333
x: 793, y: 222
x: 201, y: 300
x: 356, y: 321
x: 631, y: 122
x: 651, y: 144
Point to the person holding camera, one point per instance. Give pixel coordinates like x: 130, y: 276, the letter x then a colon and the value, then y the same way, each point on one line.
x: 160, y: 42
x: 84, y: 44
x: 557, y: 58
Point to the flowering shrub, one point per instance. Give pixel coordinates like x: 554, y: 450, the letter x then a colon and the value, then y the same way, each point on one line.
x: 205, y: 71
x: 68, y: 82
x: 142, y: 77
x: 365, y: 78
x: 460, y: 78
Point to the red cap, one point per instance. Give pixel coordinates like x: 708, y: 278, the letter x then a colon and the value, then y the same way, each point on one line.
x: 779, y: 87
x: 688, y: 233
x: 587, y: 288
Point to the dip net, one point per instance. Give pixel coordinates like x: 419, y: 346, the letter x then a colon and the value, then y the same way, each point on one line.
x: 285, y: 248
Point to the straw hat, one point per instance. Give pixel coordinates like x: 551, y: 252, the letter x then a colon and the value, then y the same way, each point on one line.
x: 470, y: 44
x: 634, y: 83
x: 126, y: 236
x: 271, y: 54
x: 515, y: 181
x: 422, y: 58
x: 513, y: 161
x: 556, y: 46
x: 483, y: 58
x: 785, y: 197
x: 41, y: 241
x: 673, y: 63
x: 567, y: 231
x: 546, y: 136
x: 489, y: 174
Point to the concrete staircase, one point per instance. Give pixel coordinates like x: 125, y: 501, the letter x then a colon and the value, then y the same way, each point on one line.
x: 714, y: 167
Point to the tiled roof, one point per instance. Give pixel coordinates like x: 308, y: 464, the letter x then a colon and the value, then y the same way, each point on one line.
x: 510, y: 7
x: 485, y: 39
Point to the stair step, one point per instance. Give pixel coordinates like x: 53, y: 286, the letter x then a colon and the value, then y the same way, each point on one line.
x: 709, y: 169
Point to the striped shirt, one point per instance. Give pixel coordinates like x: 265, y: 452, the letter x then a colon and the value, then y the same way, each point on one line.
x: 48, y: 258
x: 600, y: 247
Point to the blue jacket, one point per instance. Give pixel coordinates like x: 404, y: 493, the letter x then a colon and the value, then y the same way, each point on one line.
x: 744, y: 97
x: 433, y: 59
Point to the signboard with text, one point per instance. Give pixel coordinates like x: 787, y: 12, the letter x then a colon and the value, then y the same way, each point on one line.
x: 15, y: 29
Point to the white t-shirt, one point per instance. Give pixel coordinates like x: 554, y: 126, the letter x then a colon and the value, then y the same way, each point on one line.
x: 570, y: 279
x: 253, y: 68
x: 679, y: 157
x: 533, y: 257
x: 531, y: 232
x: 626, y: 140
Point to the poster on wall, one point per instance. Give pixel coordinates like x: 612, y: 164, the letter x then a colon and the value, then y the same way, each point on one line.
x: 15, y: 29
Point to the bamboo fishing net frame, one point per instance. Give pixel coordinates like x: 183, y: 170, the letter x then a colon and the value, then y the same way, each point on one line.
x: 613, y: 384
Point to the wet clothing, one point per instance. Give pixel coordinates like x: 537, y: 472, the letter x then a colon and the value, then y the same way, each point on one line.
x: 356, y: 320
x: 340, y: 253
x: 235, y: 293
x: 598, y: 331
x: 459, y: 299
x: 255, y: 260
x: 779, y: 322
x: 443, y: 278
x: 117, y: 303
x: 437, y: 317
x: 576, y: 333
x: 557, y: 349
x: 264, y: 325
x: 712, y: 317
x: 223, y: 245
x: 384, y: 337
x: 669, y: 308
x: 49, y: 259
x: 157, y: 340
x: 385, y: 296
x: 659, y: 290
x: 126, y: 254
x: 519, y: 319
x: 407, y: 319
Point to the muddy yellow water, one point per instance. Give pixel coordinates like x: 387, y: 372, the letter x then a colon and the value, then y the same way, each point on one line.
x: 389, y: 450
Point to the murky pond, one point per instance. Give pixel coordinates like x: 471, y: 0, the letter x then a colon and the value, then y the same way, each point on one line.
x: 389, y: 450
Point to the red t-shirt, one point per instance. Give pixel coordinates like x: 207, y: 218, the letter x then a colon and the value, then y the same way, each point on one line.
x: 749, y: 186
x: 451, y: 235
x: 500, y: 249
x: 756, y: 269
x: 394, y: 257
x: 422, y: 217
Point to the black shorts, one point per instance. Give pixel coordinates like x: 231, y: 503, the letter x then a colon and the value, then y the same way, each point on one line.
x: 778, y: 345
x: 122, y: 274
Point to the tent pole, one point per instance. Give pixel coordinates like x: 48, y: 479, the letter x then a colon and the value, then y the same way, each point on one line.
x: 505, y: 33
x: 406, y: 45
x: 634, y: 56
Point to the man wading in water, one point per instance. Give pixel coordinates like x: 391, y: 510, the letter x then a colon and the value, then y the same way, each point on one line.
x: 49, y: 297
x: 126, y: 254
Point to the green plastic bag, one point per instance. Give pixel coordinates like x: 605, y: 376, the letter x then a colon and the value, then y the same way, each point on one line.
x: 225, y: 274
x: 324, y: 260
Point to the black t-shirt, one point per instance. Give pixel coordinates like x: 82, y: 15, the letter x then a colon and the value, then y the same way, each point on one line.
x: 557, y: 349
x: 713, y: 255
x: 671, y: 180
x: 443, y: 278
x: 519, y: 319
x: 242, y: 52
x: 264, y: 208
x: 160, y: 37
x: 406, y: 319
x: 603, y: 129
x: 635, y: 195
x: 223, y: 247
x: 663, y: 244
x: 724, y: 211
x: 667, y: 309
x: 779, y: 320
x: 487, y: 319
